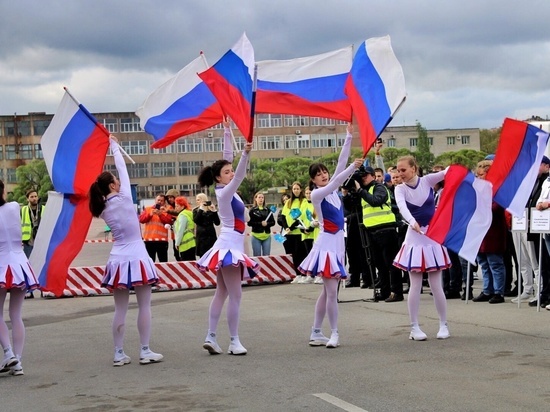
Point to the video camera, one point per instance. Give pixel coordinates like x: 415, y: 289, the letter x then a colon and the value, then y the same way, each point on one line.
x: 357, y: 176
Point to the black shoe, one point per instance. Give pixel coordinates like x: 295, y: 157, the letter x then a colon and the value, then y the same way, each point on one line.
x: 29, y: 295
x: 452, y: 294
x: 497, y: 299
x: 394, y: 297
x: 482, y: 297
x: 405, y: 290
x: 463, y: 296
x: 543, y: 303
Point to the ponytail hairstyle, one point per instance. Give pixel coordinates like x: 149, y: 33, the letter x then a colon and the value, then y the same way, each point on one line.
x: 99, y: 191
x: 208, y: 174
x: 2, y: 200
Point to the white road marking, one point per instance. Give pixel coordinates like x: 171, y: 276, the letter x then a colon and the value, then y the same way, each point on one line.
x: 339, y: 402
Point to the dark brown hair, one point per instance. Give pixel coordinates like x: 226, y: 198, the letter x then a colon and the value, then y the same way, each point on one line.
x: 98, y: 192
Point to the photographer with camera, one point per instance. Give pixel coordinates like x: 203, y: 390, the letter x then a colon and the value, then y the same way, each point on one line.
x: 156, y: 222
x: 380, y: 227
x: 205, y: 216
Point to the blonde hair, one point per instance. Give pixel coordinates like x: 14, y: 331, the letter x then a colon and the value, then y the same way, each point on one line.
x: 484, y: 165
x: 202, y: 197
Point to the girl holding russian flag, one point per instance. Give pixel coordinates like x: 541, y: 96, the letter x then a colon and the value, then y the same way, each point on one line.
x: 420, y: 254
x: 16, y: 276
x: 326, y: 258
x: 227, y: 257
x: 129, y: 265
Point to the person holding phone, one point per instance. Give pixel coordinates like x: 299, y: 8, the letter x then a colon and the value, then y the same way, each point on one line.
x: 156, y: 224
x: 205, y: 216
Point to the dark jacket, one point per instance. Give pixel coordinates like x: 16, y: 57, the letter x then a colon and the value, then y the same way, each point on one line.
x: 205, y: 235
x: 495, y: 239
x: 257, y: 216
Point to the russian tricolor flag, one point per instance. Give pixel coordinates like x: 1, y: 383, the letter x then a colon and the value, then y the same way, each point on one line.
x: 306, y: 86
x: 463, y: 215
x: 516, y: 165
x: 181, y: 106
x: 375, y: 88
x: 74, y: 147
x: 231, y: 81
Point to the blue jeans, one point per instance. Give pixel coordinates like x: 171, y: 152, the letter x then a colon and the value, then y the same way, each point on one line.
x: 494, y: 273
x: 261, y: 247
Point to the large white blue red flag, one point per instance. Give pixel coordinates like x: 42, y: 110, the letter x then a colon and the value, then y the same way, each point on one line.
x: 516, y: 164
x: 463, y: 215
x: 307, y: 86
x: 60, y: 237
x: 375, y: 88
x: 231, y: 81
x: 74, y: 147
x: 181, y: 106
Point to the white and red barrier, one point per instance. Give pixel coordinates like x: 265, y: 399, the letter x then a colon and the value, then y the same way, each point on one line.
x: 86, y: 281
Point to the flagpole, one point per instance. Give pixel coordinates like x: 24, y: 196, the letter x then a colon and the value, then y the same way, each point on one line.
x: 87, y: 113
x: 253, y: 104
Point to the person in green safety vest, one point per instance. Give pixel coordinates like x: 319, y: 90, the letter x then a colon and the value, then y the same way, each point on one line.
x: 184, y: 230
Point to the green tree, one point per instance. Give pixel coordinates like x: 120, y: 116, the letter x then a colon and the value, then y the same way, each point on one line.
x: 466, y: 157
x: 34, y: 175
x: 391, y: 154
x: 488, y: 139
x: 423, y: 156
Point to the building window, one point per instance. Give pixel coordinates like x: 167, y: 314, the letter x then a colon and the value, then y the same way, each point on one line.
x: 40, y: 126
x: 431, y: 141
x: 129, y: 125
x: 11, y: 176
x: 110, y: 124
x: 303, y: 142
x: 269, y: 120
x: 25, y: 151
x: 465, y: 139
x: 135, y: 147
x: 322, y: 140
x: 138, y: 170
x: 451, y: 140
x: 270, y: 142
x: 241, y: 141
x: 1, y: 174
x: 38, y: 152
x: 164, y: 150
x: 23, y: 128
x: 11, y: 154
x: 296, y: 121
x: 321, y: 121
x: 1, y: 152
x: 290, y: 142
x: 213, y: 145
x: 1, y: 129
x: 413, y: 142
x: 391, y: 142
x: 163, y: 169
x: 190, y: 168
x: 190, y: 145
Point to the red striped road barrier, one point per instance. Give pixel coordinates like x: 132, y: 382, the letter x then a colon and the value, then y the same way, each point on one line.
x: 86, y: 281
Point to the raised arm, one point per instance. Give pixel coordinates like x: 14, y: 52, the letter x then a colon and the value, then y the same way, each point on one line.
x: 345, y: 152
x: 120, y: 165
x: 335, y: 182
x: 227, y: 142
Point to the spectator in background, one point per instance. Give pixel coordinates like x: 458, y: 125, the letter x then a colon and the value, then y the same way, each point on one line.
x: 31, y: 214
x: 156, y: 223
x: 205, y: 216
x: 184, y: 230
x: 261, y: 221
x: 171, y: 210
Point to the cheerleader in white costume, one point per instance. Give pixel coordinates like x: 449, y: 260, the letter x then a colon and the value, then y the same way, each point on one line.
x: 326, y: 258
x: 16, y: 276
x: 419, y: 253
x: 227, y: 258
x: 129, y: 266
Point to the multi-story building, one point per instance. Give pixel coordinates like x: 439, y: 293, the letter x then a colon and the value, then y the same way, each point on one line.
x: 177, y: 165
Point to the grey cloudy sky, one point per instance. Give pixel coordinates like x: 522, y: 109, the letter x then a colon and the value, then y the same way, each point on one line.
x: 467, y: 63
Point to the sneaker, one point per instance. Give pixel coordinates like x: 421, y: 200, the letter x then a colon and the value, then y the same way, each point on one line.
x: 547, y: 307
x: 17, y: 370
x: 443, y: 332
x: 417, y: 334
x: 121, y: 358
x: 148, y: 356
x: 8, y: 361
x: 297, y: 279
x: 211, y: 344
x: 482, y: 297
x: 497, y: 299
x: 319, y: 280
x: 317, y: 338
x: 525, y: 297
x: 334, y: 340
x: 235, y: 347
x: 307, y: 280
x: 453, y: 294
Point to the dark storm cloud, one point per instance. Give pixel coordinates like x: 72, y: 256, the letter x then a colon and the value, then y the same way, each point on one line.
x: 466, y: 64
